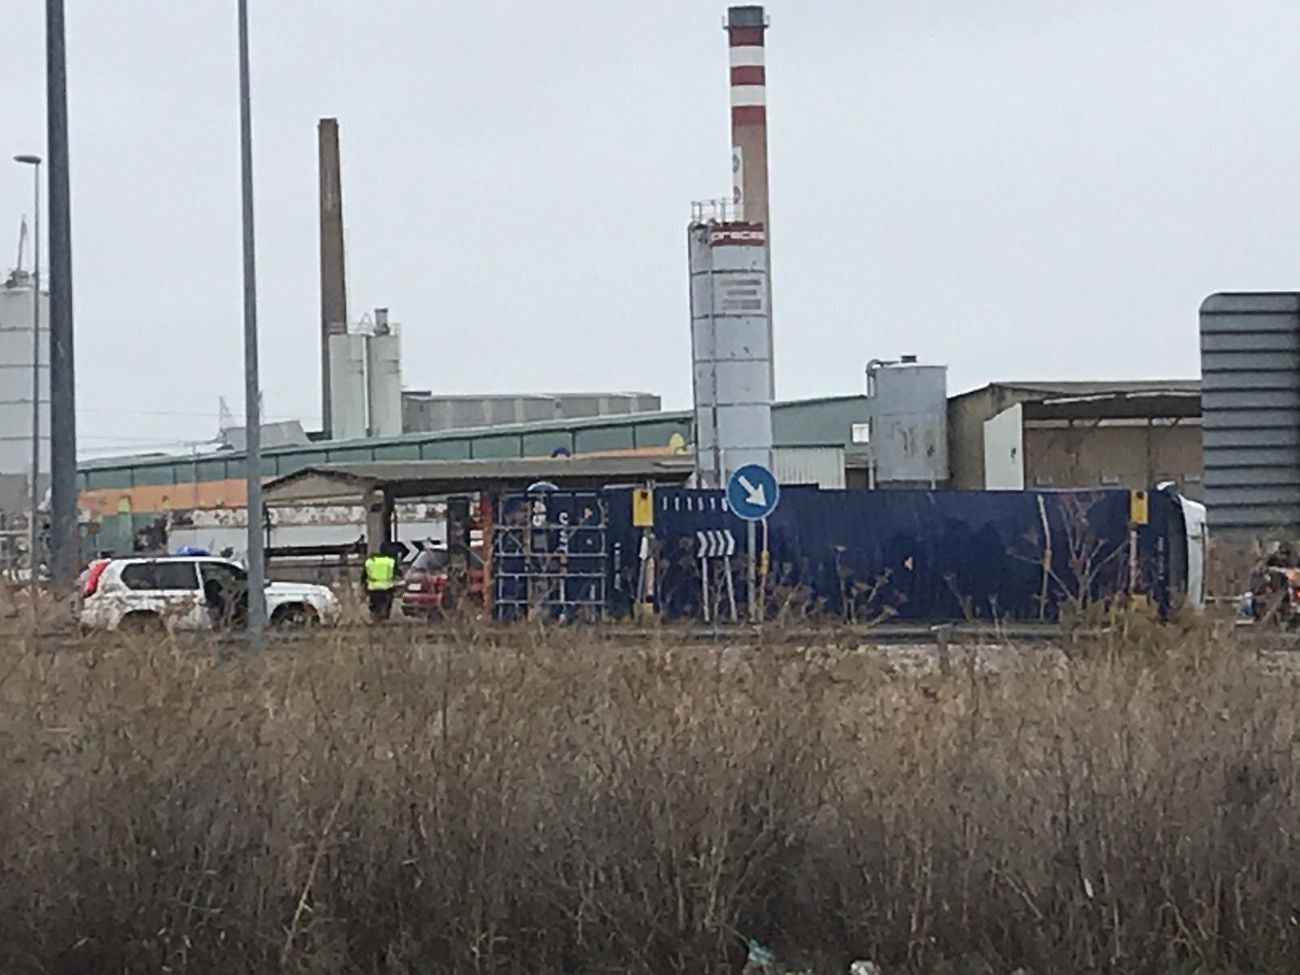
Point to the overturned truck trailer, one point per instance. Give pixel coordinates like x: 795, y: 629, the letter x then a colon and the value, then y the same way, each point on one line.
x: 915, y: 556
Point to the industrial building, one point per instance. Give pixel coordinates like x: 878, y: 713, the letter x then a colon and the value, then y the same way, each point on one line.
x: 1250, y: 363
x: 1024, y: 435
x: 122, y: 496
x: 424, y: 411
x: 165, y: 482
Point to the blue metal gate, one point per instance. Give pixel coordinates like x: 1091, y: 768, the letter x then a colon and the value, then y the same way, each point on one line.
x: 550, y: 556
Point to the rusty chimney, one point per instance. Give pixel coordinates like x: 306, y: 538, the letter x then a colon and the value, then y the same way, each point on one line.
x: 746, y: 27
x: 333, y: 286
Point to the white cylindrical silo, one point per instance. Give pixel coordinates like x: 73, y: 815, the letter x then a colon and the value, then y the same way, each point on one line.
x: 349, y: 394
x: 384, y: 382
x: 16, y: 350
x: 731, y: 349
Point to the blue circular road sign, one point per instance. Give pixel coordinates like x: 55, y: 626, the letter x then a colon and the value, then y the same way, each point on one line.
x: 752, y: 492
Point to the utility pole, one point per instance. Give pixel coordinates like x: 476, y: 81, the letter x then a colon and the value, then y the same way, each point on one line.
x: 65, y: 537
x: 33, y: 528
x: 252, y: 385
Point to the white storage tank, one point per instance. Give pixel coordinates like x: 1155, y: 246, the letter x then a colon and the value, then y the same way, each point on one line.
x: 731, y: 349
x: 16, y: 313
x: 908, y: 423
x: 384, y: 378
x: 348, y: 393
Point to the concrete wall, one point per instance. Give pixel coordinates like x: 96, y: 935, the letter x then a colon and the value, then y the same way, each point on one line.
x: 1131, y: 454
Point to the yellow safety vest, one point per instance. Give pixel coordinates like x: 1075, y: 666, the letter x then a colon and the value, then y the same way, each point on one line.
x: 380, y: 570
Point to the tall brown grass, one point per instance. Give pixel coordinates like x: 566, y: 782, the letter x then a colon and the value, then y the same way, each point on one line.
x: 577, y: 805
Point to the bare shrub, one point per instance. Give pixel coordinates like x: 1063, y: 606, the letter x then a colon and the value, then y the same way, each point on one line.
x: 399, y: 802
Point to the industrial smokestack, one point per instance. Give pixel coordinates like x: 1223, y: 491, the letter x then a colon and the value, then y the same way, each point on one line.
x: 746, y: 27
x: 333, y: 286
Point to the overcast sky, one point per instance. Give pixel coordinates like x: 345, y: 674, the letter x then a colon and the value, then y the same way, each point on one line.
x: 1021, y: 189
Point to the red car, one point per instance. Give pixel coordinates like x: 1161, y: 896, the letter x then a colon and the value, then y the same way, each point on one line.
x: 425, y: 591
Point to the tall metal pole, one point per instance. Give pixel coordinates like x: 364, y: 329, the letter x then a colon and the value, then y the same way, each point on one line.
x: 751, y: 540
x: 33, y: 529
x: 252, y: 385
x: 34, y: 534
x: 65, y: 543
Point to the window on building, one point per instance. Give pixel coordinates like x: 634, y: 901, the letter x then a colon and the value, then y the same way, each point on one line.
x: 861, y: 433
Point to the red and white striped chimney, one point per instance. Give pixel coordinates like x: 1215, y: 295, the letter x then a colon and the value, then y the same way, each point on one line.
x: 745, y: 29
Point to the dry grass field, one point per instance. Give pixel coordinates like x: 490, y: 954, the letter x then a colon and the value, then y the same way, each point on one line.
x: 570, y: 804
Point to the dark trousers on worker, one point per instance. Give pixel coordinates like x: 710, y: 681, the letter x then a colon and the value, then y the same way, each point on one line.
x: 381, y: 604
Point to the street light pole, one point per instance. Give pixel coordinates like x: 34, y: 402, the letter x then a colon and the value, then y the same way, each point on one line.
x: 65, y: 538
x: 252, y: 384
x: 33, y: 529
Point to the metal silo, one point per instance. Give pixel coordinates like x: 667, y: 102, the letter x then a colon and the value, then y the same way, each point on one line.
x: 908, y: 423
x: 16, y: 392
x: 349, y: 394
x: 384, y: 378
x: 731, y: 348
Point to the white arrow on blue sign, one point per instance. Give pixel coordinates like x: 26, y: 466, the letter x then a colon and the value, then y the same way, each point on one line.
x: 715, y: 544
x: 752, y: 492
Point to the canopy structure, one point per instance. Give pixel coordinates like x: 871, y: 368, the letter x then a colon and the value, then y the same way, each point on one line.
x: 409, y: 480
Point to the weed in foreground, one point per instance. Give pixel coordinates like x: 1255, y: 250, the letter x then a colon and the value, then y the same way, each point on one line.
x: 580, y: 806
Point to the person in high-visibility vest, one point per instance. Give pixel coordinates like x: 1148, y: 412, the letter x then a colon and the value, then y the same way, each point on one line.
x: 381, y: 580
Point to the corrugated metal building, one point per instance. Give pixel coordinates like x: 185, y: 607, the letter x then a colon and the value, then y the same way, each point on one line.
x: 1250, y: 363
x: 168, y: 482
x: 425, y: 412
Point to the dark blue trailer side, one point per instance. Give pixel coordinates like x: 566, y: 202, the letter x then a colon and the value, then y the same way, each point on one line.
x: 921, y: 556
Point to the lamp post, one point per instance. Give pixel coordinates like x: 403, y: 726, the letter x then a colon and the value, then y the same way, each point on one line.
x: 33, y: 531
x: 252, y: 385
x: 64, y: 537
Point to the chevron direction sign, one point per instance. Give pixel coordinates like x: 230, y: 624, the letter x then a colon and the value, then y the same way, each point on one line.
x: 715, y: 544
x: 411, y: 550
